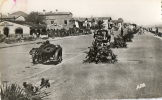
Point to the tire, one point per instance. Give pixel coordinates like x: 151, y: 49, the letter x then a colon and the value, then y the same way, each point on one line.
x: 33, y: 60
x: 33, y: 52
x: 58, y: 55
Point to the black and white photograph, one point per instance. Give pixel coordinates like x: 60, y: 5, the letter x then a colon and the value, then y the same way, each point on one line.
x: 81, y: 49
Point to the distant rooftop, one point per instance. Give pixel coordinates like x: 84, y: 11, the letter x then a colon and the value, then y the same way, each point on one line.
x: 18, y: 13
x: 90, y: 19
x: 56, y: 13
x: 103, y: 18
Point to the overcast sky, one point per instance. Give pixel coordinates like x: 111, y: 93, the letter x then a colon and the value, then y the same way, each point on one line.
x: 138, y: 11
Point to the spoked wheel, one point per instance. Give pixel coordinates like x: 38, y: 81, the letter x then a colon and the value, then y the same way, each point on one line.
x: 58, y: 55
x: 35, y: 59
x: 60, y: 59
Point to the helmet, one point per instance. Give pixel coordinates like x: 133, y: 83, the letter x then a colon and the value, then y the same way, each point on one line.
x: 47, y: 42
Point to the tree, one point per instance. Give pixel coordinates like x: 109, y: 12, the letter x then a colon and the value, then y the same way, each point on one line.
x: 120, y: 20
x: 35, y: 18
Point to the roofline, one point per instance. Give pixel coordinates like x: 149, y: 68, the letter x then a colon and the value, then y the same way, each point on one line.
x: 17, y: 12
x: 56, y: 14
x: 12, y: 17
x: 16, y: 23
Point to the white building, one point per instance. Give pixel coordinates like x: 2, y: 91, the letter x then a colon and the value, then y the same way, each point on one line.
x: 11, y: 28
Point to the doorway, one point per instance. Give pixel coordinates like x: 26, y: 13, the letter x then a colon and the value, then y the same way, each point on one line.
x: 6, y: 31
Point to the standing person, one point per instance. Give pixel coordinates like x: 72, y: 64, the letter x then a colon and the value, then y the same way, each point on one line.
x: 122, y: 31
x: 110, y: 31
x: 140, y: 31
x: 85, y: 23
x: 119, y: 26
x: 109, y: 26
x: 156, y: 31
x: 143, y: 30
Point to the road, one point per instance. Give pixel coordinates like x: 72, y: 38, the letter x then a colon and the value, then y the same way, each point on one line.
x: 16, y: 62
x: 140, y: 63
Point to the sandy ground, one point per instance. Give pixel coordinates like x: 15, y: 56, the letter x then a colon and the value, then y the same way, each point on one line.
x: 140, y: 63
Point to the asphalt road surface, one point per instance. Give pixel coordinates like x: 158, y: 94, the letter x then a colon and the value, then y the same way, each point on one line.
x: 140, y: 63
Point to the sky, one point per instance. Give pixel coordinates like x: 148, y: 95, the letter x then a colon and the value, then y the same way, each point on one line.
x: 143, y: 12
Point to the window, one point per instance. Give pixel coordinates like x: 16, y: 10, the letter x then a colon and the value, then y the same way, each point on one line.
x: 52, y: 22
x: 65, y: 22
x: 19, y: 31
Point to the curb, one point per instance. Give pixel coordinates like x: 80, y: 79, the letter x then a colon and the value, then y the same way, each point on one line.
x: 14, y: 45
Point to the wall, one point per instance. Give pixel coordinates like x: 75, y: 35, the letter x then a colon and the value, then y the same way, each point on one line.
x: 58, y: 20
x: 12, y: 27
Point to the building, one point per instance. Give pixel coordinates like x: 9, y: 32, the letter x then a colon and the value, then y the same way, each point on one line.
x: 57, y: 20
x: 12, y: 28
x: 16, y: 16
x: 19, y: 16
x: 6, y: 18
x: 15, y: 24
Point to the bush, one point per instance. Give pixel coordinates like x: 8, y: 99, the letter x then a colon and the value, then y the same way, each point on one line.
x: 118, y: 43
x: 100, y: 54
x: 13, y: 92
x: 129, y: 36
x: 69, y: 32
x: 2, y: 38
x: 29, y: 38
x: 15, y: 39
x: 27, y: 92
x: 12, y: 40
